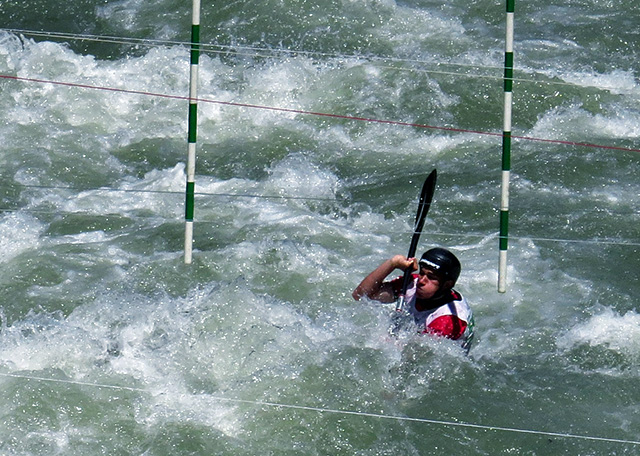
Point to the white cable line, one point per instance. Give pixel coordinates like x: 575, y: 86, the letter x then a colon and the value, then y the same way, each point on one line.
x: 149, y: 42
x: 266, y: 52
x: 258, y: 52
x: 341, y: 412
x: 178, y: 193
x: 299, y: 198
x: 441, y: 234
x: 433, y: 233
x: 230, y: 49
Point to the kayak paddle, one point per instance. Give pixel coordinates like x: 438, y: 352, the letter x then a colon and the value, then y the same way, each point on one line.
x: 426, y: 195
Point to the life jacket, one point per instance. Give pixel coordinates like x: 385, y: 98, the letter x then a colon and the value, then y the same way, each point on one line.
x: 450, y: 316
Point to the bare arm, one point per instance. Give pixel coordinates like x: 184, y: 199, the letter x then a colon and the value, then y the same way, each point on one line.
x: 374, y: 287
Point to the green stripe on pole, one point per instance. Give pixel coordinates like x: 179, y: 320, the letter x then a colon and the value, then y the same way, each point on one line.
x: 508, y: 71
x: 508, y: 64
x: 188, y: 214
x: 506, y: 151
x: 193, y: 122
x: 195, y: 44
x: 504, y: 229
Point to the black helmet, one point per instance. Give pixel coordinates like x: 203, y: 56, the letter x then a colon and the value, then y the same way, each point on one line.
x: 442, y: 262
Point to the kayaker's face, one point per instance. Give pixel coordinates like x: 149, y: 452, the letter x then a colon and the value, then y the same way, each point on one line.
x: 428, y: 284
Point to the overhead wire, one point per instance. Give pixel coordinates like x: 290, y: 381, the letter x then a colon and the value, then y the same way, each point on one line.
x: 265, y: 52
x: 257, y: 53
x: 281, y: 198
x: 279, y: 405
x: 235, y: 49
x: 315, y: 113
x: 229, y: 48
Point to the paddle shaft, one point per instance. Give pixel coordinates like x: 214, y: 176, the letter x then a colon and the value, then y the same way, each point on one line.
x: 426, y: 196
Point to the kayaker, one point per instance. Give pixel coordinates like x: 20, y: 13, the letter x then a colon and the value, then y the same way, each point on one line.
x: 436, y: 307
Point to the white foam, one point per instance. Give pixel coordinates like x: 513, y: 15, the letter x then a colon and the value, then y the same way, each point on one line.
x: 574, y: 122
x: 145, y: 194
x: 10, y: 46
x: 129, y: 116
x: 123, y: 12
x: 617, y: 81
x: 19, y: 233
x: 608, y: 329
x: 298, y: 176
x: 622, y: 123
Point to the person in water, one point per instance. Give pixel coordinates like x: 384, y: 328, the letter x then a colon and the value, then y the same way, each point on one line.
x: 435, y: 306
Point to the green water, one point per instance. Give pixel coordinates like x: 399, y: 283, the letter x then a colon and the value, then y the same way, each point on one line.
x: 110, y: 344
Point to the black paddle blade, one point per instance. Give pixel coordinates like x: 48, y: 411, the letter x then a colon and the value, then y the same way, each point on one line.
x: 426, y: 196
x: 424, y: 203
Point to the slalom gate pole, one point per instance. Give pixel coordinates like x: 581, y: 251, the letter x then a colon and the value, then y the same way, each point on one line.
x: 192, y: 134
x: 506, y: 149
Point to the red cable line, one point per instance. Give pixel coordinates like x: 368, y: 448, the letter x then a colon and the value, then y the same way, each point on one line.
x: 322, y: 114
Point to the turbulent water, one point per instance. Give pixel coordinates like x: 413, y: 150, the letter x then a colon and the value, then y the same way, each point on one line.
x: 110, y: 344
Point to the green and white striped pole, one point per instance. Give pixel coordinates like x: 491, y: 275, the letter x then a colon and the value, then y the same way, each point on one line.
x: 506, y: 149
x: 192, y: 135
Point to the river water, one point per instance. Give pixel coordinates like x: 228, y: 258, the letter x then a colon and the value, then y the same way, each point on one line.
x: 110, y: 344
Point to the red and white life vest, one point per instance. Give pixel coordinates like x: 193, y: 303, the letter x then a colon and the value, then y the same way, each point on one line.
x: 452, y: 319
